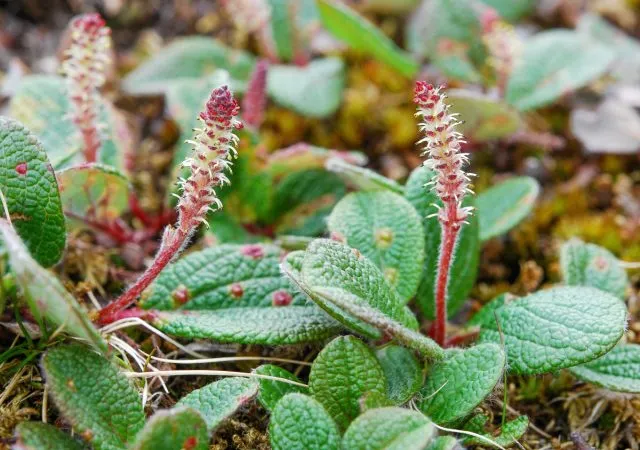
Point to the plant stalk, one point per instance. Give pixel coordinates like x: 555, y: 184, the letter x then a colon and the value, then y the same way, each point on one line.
x: 450, y: 233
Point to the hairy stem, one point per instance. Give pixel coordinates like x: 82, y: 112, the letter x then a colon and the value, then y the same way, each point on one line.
x: 447, y: 247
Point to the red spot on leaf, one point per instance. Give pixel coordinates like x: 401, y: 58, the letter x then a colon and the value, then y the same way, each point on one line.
x: 236, y: 290
x: 181, y: 295
x: 190, y: 443
x: 282, y: 298
x: 253, y: 251
x: 21, y: 168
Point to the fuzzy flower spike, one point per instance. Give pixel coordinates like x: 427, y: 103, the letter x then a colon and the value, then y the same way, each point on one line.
x: 442, y: 147
x: 213, y: 151
x: 85, y: 64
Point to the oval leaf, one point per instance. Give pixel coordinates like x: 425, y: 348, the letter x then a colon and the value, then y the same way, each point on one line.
x: 554, y: 63
x: 219, y: 400
x: 467, y: 252
x: 342, y: 374
x: 388, y: 428
x: 47, y: 298
x: 402, y: 371
x: 590, y: 265
x: 42, y: 104
x: 271, y: 391
x: 94, y: 191
x: 29, y: 186
x: 557, y: 328
x: 387, y: 230
x: 618, y: 370
x: 181, y: 428
x: 314, y: 90
x: 455, y: 386
x: 224, y: 276
x: 360, y: 34
x: 94, y: 396
x: 265, y: 326
x: 503, y: 206
x: 187, y: 57
x: 301, y: 423
x: 42, y: 436
x: 362, y: 178
x: 485, y: 118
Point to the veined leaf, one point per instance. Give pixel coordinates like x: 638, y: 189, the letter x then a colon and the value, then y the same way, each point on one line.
x: 342, y: 374
x: 299, y: 422
x: 42, y: 436
x: 362, y: 178
x: 618, y: 370
x: 30, y: 189
x: 219, y: 400
x: 303, y: 156
x: 224, y: 276
x: 590, y: 265
x: 444, y: 443
x: 181, y: 428
x: 460, y: 382
x: 503, y: 206
x: 271, y: 391
x: 557, y: 328
x: 403, y: 372
x: 387, y: 230
x: 511, y: 432
x: 389, y: 428
x: 467, y: 252
x: 362, y: 35
x: 265, y: 326
x: 47, y: 298
x: 94, y: 396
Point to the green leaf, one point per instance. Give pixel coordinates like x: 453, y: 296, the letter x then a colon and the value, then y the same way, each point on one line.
x: 554, y: 63
x: 486, y: 316
x: 485, y: 118
x: 188, y: 57
x: 29, y: 186
x: 360, y: 34
x: 225, y: 276
x: 362, y: 178
x: 271, y: 391
x: 618, y: 370
x: 365, y: 303
x: 342, y: 374
x: 221, y: 399
x: 303, y: 156
x: 503, y: 206
x: 314, y: 90
x: 467, y: 252
x: 299, y: 422
x: 557, y: 328
x: 42, y: 436
x: 590, y: 265
x: 387, y: 230
x: 304, y: 199
x: 46, y: 296
x: 283, y: 28
x: 510, y: 433
x: 41, y: 103
x: 455, y: 386
x: 181, y: 428
x: 266, y: 326
x: 94, y: 396
x: 444, y: 443
x: 403, y: 372
x: 94, y: 191
x: 389, y: 428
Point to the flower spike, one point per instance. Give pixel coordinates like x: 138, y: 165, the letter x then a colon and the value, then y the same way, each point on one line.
x: 85, y: 65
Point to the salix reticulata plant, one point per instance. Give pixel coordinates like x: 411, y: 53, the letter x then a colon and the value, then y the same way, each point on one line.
x: 442, y: 146
x: 84, y: 66
x: 213, y: 151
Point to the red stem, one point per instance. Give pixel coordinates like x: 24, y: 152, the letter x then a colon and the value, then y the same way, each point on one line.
x: 111, y: 312
x: 449, y: 236
x: 91, y: 144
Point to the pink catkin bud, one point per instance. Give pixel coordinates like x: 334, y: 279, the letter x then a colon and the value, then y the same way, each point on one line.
x: 255, y: 99
x: 85, y: 64
x: 503, y: 46
x: 213, y: 152
x: 248, y: 15
x: 444, y: 156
